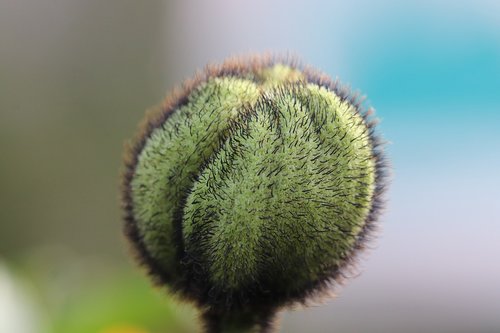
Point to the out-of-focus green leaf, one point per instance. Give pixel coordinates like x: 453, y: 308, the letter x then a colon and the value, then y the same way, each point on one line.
x: 124, y: 304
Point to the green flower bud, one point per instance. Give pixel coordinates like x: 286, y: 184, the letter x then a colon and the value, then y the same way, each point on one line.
x: 252, y: 188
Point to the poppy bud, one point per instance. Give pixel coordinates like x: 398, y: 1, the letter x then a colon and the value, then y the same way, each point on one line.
x: 252, y: 188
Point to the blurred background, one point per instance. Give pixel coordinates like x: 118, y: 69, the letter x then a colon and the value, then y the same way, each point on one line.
x: 76, y: 77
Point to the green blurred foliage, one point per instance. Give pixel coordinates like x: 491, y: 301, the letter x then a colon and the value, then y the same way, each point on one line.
x: 126, y: 301
x: 74, y: 295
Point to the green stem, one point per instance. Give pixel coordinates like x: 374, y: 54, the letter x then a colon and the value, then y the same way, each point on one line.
x: 239, y: 326
x: 241, y: 323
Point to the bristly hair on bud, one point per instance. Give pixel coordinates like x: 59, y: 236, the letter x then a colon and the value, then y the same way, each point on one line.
x: 252, y: 188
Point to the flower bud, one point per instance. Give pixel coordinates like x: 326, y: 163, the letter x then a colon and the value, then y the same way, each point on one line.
x: 252, y: 188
